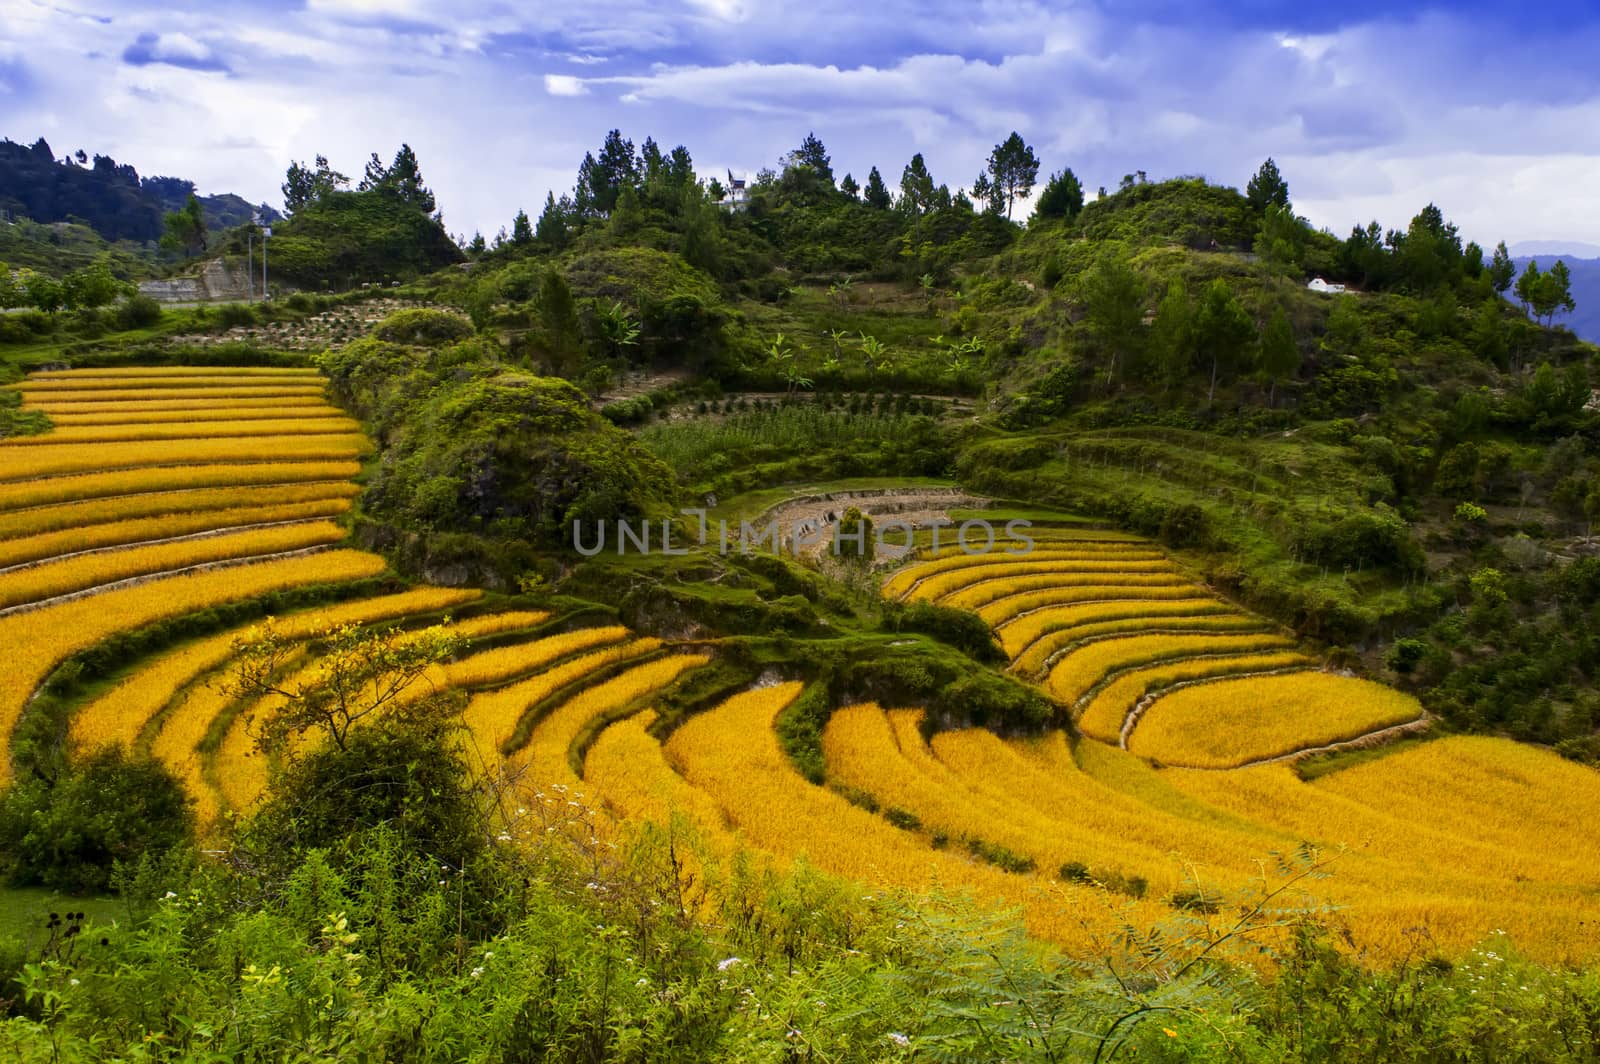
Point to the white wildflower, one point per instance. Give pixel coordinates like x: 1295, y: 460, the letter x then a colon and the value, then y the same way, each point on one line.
x: 725, y: 964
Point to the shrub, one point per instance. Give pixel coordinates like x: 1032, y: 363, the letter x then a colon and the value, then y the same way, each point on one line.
x: 427, y: 328
x: 236, y: 315
x: 70, y: 833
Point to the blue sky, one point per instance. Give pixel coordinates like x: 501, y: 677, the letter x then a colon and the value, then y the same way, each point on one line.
x: 1371, y: 109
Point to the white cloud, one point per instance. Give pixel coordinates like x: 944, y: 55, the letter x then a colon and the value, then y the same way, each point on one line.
x: 564, y: 85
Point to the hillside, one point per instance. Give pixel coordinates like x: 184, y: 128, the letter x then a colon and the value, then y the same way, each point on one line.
x: 579, y: 649
x: 108, y: 197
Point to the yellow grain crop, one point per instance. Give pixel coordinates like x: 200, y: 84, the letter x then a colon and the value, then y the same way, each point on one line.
x: 492, y: 718
x: 87, y: 571
x: 1230, y: 722
x: 1103, y: 715
x: 547, y: 755
x: 1009, y: 606
x: 62, y: 397
x: 1075, y: 673
x: 38, y: 640
x: 1138, y: 585
x: 1017, y: 634
x: 172, y: 372
x: 732, y: 754
x: 907, y: 578
x: 55, y: 490
x: 187, y: 430
x: 237, y: 406
x: 49, y: 460
x: 318, y: 411
x: 39, y: 520
x: 156, y: 385
x: 937, y: 587
x: 169, y: 526
x: 120, y: 715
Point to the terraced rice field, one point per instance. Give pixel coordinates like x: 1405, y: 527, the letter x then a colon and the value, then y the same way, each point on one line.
x: 166, y: 491
x: 189, y: 490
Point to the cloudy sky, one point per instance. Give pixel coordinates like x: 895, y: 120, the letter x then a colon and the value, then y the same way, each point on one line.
x: 1371, y: 109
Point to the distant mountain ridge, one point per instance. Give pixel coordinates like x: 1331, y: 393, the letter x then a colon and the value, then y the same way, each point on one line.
x: 111, y: 198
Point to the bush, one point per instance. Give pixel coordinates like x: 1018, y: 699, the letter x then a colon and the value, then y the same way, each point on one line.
x: 138, y: 312
x: 71, y: 832
x: 236, y: 315
x: 423, y: 327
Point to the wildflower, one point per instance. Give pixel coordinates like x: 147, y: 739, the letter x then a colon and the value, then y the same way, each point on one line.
x: 899, y: 1039
x: 725, y: 964
x: 477, y: 973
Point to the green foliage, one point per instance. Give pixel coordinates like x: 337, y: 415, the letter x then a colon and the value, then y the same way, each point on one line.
x: 1267, y: 188
x: 477, y: 449
x: 962, y: 629
x: 422, y: 327
x: 1062, y: 197
x: 185, y: 229
x: 1224, y: 335
x: 341, y: 239
x: 1188, y: 212
x: 71, y: 830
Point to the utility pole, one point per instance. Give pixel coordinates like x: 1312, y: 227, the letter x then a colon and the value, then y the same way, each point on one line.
x: 250, y: 257
x: 266, y: 232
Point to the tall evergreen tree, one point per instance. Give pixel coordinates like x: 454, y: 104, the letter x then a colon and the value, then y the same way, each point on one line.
x: 404, y: 179
x: 1280, y: 354
x: 1502, y: 271
x: 521, y: 229
x: 916, y: 190
x: 1013, y: 168
x: 376, y: 175
x: 556, y: 221
x: 811, y: 153
x: 1062, y: 196
x: 1223, y: 333
x: 1267, y: 188
x: 1113, y: 293
x: 877, y: 193
x: 849, y: 187
x: 1172, y: 334
x: 1528, y: 286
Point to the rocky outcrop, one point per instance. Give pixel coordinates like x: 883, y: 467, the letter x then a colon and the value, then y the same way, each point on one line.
x: 218, y: 280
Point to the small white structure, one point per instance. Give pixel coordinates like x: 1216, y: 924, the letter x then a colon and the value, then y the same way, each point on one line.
x: 736, y: 196
x: 1319, y: 285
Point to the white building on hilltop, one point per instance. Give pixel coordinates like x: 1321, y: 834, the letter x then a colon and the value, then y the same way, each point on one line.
x: 1319, y: 285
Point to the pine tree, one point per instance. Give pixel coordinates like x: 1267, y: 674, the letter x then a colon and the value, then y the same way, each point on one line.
x: 877, y: 193
x: 376, y: 176
x: 1223, y: 333
x: 849, y: 187
x: 1014, y: 168
x: 1280, y: 354
x: 405, y: 180
x: 1267, y: 188
x: 556, y: 221
x: 1172, y: 334
x: 1528, y: 286
x: 811, y: 153
x: 521, y: 229
x: 1502, y: 271
x: 916, y: 190
x: 1062, y: 196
